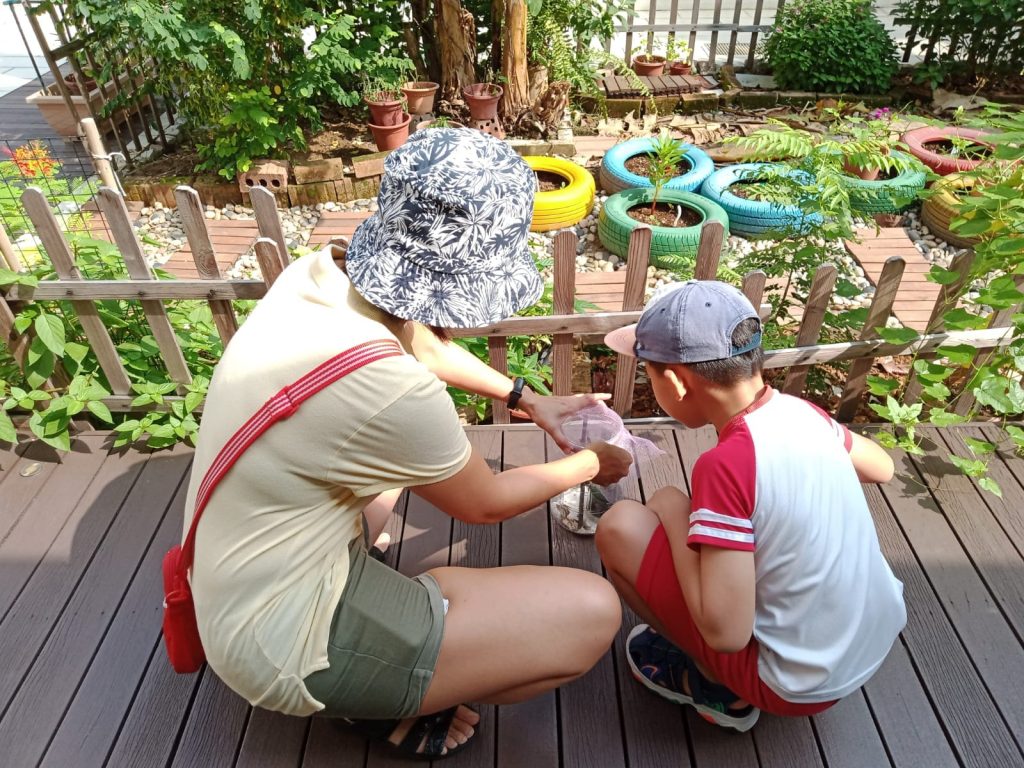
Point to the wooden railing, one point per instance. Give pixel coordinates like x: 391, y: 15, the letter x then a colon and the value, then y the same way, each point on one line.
x: 563, y: 327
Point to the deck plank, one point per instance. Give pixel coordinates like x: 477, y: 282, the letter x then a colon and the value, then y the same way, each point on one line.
x: 965, y: 706
x: 848, y: 735
x: 19, y: 490
x: 216, y: 722
x: 86, y: 731
x: 527, y: 732
x: 592, y: 697
x: 46, y: 691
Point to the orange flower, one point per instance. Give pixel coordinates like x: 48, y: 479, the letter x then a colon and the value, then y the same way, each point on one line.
x: 33, y: 159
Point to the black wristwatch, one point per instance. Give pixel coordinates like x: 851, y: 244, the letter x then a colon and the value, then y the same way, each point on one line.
x: 517, y: 391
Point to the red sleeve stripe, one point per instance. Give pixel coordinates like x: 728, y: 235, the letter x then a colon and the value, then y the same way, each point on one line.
x: 692, y: 541
x: 719, y: 534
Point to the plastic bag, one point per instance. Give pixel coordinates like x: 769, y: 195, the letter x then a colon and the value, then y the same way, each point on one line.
x: 578, y: 508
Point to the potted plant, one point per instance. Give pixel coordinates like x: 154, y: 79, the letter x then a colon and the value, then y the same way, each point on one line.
x: 647, y: 64
x: 678, y: 55
x: 482, y: 100
x: 385, y: 102
x: 79, y: 88
x: 419, y: 95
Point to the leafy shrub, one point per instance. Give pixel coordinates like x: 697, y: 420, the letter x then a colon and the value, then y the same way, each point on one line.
x: 837, y: 46
x: 976, y: 35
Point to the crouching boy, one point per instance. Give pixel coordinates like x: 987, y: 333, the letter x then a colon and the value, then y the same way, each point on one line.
x: 766, y: 590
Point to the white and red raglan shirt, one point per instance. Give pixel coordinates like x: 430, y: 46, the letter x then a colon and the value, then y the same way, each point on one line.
x: 780, y: 484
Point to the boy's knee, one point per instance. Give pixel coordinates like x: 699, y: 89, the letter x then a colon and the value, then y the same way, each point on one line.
x: 670, y: 497
x: 616, y: 523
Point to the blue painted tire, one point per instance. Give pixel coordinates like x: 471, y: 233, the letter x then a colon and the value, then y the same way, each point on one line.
x: 671, y: 247
x: 885, y: 195
x: 755, y: 218
x: 615, y: 177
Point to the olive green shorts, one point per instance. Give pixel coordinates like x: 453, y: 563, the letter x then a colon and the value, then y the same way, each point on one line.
x: 385, y: 637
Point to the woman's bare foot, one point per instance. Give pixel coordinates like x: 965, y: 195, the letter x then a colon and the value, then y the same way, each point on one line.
x: 461, y: 730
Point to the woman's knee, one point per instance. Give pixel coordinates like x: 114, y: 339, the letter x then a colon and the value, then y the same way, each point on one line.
x: 597, y: 607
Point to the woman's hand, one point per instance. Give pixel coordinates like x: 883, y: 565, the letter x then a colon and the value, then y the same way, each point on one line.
x: 614, y: 461
x: 549, y: 411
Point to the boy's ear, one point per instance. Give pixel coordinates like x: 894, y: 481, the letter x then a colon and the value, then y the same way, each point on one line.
x: 677, y: 380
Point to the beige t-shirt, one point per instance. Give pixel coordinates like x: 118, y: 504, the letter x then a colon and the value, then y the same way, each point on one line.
x: 272, y: 546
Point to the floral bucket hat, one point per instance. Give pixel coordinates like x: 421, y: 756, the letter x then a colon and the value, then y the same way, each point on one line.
x: 447, y: 245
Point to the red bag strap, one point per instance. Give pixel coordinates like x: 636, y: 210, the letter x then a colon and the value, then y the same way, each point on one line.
x: 280, y: 406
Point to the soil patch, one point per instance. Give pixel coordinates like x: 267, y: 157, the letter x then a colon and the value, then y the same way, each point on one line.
x: 641, y: 166
x: 946, y: 147
x: 177, y: 165
x: 665, y: 215
x: 550, y: 181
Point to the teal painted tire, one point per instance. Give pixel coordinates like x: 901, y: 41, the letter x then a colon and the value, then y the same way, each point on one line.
x: 615, y: 177
x: 885, y: 195
x: 670, y: 246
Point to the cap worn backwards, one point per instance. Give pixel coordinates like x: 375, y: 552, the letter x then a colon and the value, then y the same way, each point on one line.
x: 690, y: 322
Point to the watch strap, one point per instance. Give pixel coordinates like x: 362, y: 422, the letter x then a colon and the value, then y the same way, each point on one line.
x: 517, y: 391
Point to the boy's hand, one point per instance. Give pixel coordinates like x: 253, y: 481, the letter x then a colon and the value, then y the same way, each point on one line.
x: 614, y: 461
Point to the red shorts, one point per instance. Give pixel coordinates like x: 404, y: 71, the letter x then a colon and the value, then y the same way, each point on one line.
x: 658, y: 586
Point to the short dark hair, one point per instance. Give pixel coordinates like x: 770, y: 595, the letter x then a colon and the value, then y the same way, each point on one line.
x: 732, y: 370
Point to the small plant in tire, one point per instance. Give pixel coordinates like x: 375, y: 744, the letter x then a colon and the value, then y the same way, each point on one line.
x: 664, y: 160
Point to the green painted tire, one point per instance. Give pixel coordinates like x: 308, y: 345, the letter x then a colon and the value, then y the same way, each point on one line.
x: 671, y: 247
x: 885, y: 195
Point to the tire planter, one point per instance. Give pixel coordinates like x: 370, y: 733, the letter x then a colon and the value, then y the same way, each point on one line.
x: 615, y: 177
x: 566, y: 207
x: 884, y: 195
x: 754, y: 218
x: 940, y: 163
x: 939, y: 210
x: 671, y: 247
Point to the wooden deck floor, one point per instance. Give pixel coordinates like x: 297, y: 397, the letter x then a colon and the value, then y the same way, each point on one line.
x: 84, y: 680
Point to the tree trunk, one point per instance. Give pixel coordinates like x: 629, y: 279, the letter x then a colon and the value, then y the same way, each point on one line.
x: 455, y: 29
x: 497, y: 17
x: 424, y: 25
x: 538, y: 83
x: 513, y: 60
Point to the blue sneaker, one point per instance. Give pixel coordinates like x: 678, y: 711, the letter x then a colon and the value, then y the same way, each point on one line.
x: 662, y: 667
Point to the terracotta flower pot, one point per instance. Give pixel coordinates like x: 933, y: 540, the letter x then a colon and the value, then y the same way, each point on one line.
x: 482, y: 100
x: 391, y: 136
x: 649, y: 66
x: 868, y: 174
x: 680, y: 68
x: 75, y: 87
x: 420, y: 96
x: 384, y: 111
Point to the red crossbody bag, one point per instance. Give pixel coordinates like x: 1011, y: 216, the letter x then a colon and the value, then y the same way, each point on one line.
x: 181, y: 632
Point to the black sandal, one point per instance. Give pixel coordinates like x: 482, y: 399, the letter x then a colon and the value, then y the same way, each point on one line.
x: 428, y: 732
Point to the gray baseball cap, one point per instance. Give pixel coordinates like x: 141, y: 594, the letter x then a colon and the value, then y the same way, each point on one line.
x: 689, y: 322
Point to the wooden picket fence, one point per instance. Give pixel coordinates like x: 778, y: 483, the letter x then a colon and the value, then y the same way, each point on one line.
x: 563, y: 326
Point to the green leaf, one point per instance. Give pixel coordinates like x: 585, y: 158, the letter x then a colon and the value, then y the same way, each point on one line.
x: 937, y: 391
x: 942, y: 276
x: 960, y: 319
x: 960, y: 354
x: 39, y: 363
x: 8, y: 434
x: 898, y: 335
x: 988, y: 484
x: 945, y: 418
x: 142, y: 400
x: 979, y: 447
x: 74, y: 407
x: 970, y: 467
x: 881, y: 410
x: 100, y: 411
x: 881, y: 386
x: 192, y: 401
x: 50, y: 330
x: 886, y: 439
x: 76, y: 351
x: 1015, y: 433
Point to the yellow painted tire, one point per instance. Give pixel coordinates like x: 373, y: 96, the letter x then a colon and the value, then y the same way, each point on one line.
x: 565, y: 207
x: 939, y: 209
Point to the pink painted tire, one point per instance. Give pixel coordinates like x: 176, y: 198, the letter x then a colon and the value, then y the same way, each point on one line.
x: 940, y: 163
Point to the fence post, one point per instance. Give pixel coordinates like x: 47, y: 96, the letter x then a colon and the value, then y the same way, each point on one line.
x: 947, y: 299
x: 753, y: 288
x: 269, y: 257
x: 878, y: 314
x: 190, y: 209
x: 810, y: 326
x: 709, y: 251
x: 267, y: 219
x: 632, y: 299
x: 116, y: 213
x: 7, y: 251
x: 100, y: 158
x: 564, y: 304
x: 38, y: 210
